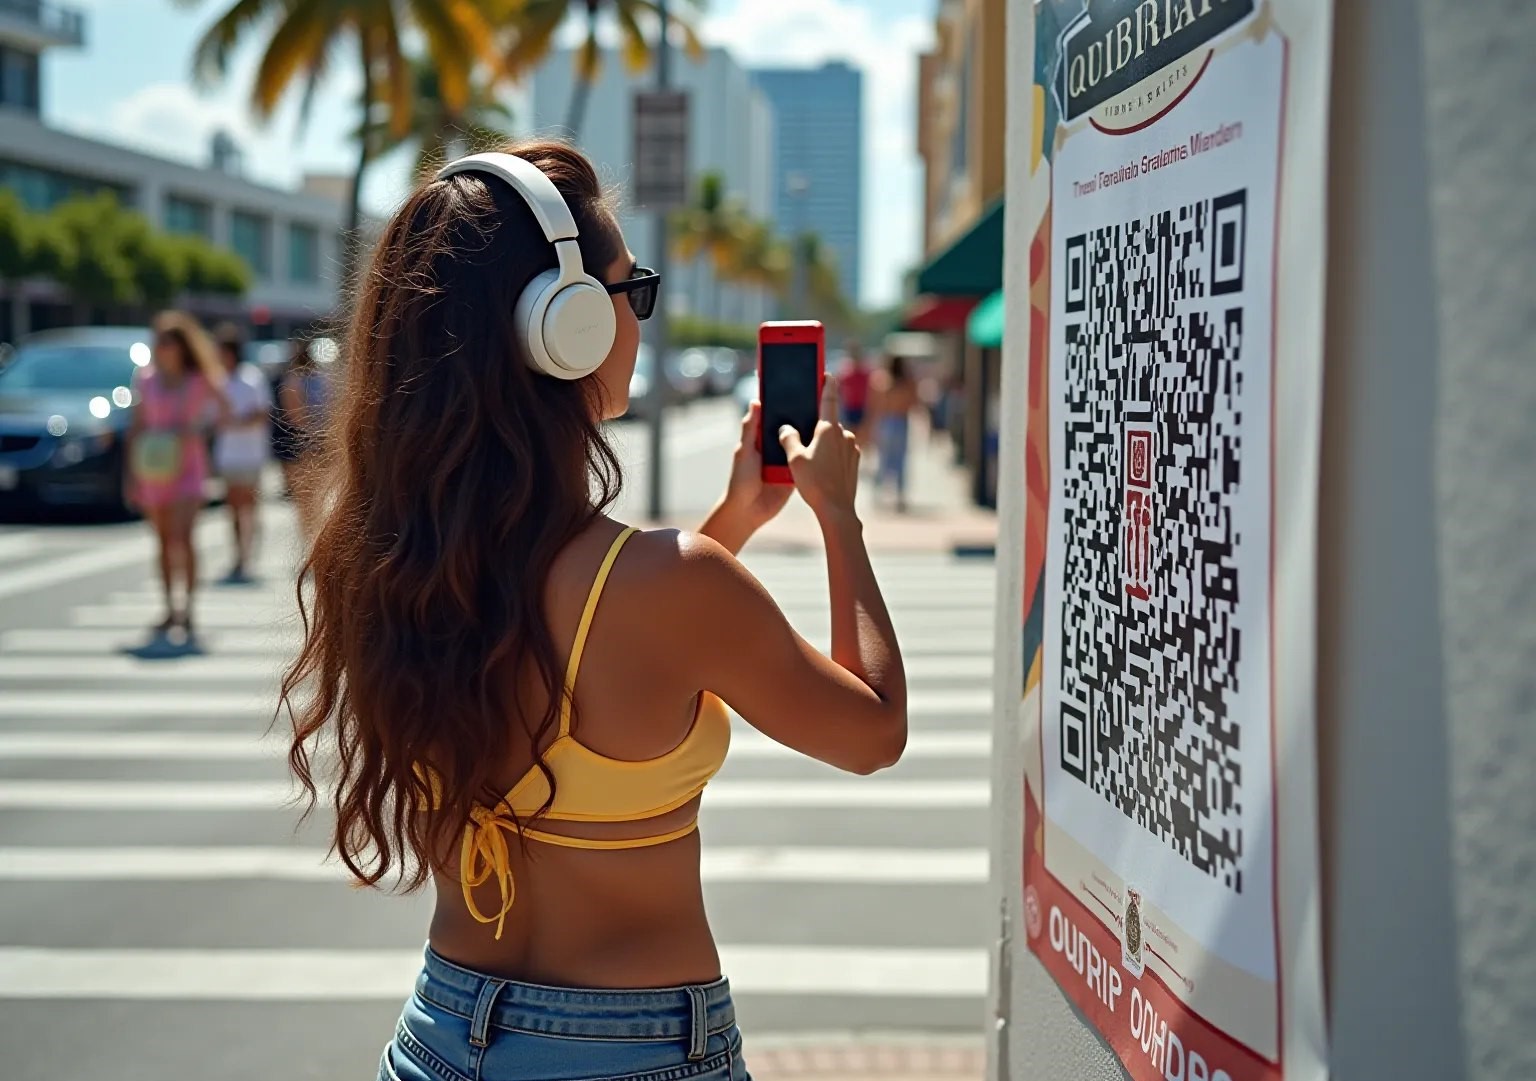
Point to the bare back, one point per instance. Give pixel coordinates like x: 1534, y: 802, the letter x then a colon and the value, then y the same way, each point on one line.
x: 598, y: 918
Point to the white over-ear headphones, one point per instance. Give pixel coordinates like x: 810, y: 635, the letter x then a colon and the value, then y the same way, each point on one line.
x: 564, y: 316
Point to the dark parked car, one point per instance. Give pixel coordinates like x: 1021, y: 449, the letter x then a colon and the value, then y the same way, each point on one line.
x: 64, y: 408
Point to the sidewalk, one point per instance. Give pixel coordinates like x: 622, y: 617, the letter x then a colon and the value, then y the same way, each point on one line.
x: 902, y: 1058
x: 940, y: 517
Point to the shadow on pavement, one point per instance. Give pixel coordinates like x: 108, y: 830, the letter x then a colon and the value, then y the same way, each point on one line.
x: 163, y: 647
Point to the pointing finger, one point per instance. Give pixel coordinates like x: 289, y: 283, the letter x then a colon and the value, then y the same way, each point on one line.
x: 829, y: 399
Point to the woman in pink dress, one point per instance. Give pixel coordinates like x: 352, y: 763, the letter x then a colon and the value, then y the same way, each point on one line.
x: 178, y: 398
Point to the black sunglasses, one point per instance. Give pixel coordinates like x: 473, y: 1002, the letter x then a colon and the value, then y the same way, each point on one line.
x: 642, y: 286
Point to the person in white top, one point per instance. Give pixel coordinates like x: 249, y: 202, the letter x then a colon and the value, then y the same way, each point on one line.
x: 242, y: 447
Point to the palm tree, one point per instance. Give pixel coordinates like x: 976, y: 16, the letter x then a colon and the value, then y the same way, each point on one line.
x: 759, y: 258
x: 304, y: 33
x: 539, y: 19
x: 711, y: 228
x: 820, y: 285
x: 437, y: 131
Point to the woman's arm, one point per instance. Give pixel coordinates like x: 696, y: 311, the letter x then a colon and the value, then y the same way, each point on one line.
x: 849, y: 709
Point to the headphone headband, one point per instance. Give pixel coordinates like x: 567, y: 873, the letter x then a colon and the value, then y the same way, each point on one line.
x: 529, y: 181
x: 564, y: 316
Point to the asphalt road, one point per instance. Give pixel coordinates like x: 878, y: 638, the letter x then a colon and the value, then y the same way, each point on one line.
x: 161, y: 916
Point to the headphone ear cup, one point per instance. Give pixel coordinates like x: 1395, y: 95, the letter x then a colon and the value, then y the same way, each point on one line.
x: 579, y: 327
x: 527, y: 316
x: 565, y: 331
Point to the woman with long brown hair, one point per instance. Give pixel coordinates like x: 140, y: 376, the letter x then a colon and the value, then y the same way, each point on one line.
x: 177, y: 399
x: 517, y: 696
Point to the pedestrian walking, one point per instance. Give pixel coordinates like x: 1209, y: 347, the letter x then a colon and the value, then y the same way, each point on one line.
x: 853, y: 382
x: 893, y: 397
x: 303, y: 395
x: 529, y: 695
x: 241, y: 449
x: 178, y: 399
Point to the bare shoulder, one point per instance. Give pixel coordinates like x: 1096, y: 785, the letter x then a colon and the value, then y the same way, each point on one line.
x: 679, y: 570
x: 669, y: 559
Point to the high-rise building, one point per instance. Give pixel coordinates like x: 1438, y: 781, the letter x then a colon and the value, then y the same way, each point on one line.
x: 818, y: 148
x: 730, y: 133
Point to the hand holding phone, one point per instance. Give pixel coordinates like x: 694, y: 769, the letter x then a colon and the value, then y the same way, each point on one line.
x: 790, y: 373
x: 825, y: 470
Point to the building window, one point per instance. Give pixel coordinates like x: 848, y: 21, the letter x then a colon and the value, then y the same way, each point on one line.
x: 960, y: 138
x: 18, y: 79
x: 303, y: 254
x: 188, y: 216
x: 251, y: 237
x: 43, y: 189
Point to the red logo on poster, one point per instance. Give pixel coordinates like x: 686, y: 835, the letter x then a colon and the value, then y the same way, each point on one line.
x: 1032, y: 918
x: 1137, y: 549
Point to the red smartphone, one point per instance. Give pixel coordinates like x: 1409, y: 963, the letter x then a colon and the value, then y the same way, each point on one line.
x: 791, y: 368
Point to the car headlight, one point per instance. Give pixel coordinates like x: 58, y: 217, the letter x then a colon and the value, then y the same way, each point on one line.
x: 76, y: 450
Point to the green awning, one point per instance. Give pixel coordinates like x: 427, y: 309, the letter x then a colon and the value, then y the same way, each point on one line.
x: 973, y: 265
x: 985, y: 325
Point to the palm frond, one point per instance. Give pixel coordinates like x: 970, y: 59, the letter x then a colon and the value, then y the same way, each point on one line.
x: 298, y: 45
x: 448, y: 51
x: 589, y: 58
x: 398, y: 86
x: 691, y: 42
x: 535, y: 33
x: 312, y: 79
x: 637, y: 50
x: 210, y: 57
x: 478, y: 34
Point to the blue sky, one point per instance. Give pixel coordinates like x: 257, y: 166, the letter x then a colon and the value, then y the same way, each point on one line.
x: 131, y: 84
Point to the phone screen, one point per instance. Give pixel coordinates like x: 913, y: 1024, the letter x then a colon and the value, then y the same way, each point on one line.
x: 791, y: 394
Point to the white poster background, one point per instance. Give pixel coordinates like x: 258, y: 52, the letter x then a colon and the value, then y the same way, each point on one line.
x: 1243, y: 84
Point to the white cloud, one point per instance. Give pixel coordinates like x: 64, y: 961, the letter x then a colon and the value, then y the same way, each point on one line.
x: 170, y: 120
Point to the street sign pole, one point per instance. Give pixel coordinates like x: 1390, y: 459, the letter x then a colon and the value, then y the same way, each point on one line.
x: 661, y: 258
x: 660, y: 186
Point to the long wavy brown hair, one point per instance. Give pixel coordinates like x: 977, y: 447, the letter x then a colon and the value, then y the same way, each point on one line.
x: 199, y: 354
x: 457, y: 475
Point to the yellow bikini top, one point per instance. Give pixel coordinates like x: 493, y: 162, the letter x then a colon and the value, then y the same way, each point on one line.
x: 590, y: 787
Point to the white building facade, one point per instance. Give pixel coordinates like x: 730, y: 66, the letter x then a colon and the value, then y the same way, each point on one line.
x: 731, y: 132
x: 292, y: 241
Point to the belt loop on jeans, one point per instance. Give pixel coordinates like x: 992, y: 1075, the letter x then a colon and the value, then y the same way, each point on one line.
x: 698, y: 1024
x: 480, y: 1024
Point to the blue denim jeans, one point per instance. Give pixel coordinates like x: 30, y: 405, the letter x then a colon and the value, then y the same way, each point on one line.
x: 462, y: 1025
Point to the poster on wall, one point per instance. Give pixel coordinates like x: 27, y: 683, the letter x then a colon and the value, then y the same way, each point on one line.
x: 1170, y: 866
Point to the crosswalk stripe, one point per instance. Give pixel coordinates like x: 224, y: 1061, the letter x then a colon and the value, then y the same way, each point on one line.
x: 812, y: 591
x: 163, y: 795
x: 823, y: 865
x: 270, y: 616
x: 93, y: 642
x: 264, y: 667
x: 234, y: 746
x: 99, y: 558
x: 14, y: 546
x: 40, y: 704
x: 357, y: 975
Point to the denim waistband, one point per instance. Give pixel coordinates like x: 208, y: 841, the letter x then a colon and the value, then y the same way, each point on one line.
x: 691, y: 1013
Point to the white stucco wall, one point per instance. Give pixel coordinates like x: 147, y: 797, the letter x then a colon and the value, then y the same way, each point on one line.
x: 1427, y: 555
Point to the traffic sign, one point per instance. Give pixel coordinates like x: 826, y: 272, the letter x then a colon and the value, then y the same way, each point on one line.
x: 661, y: 149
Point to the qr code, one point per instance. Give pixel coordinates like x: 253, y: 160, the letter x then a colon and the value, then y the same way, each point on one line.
x: 1154, y: 460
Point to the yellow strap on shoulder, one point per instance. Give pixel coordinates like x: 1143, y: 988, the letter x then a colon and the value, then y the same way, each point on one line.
x: 585, y: 626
